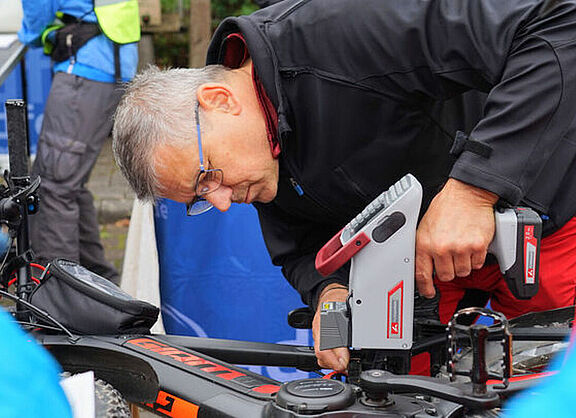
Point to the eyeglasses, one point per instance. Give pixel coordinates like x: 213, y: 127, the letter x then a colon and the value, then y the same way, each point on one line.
x: 206, y: 182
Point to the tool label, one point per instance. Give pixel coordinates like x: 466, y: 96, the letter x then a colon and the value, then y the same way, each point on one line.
x: 530, y: 247
x: 395, y: 311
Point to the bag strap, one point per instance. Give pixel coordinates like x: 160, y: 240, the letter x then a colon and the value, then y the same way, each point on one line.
x: 117, y: 69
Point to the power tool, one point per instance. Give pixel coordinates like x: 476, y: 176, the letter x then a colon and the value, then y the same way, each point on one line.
x: 380, y: 242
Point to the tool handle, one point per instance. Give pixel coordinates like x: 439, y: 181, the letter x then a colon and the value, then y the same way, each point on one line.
x: 334, y: 255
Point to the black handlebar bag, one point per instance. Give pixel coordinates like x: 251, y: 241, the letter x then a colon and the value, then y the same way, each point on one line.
x: 89, y: 304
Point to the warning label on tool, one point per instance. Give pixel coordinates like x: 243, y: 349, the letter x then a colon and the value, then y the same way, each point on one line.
x: 530, y: 247
x: 395, y: 307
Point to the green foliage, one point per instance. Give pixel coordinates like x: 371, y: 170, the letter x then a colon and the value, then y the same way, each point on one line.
x: 220, y: 8
x: 225, y: 8
x: 171, y: 6
x: 171, y: 49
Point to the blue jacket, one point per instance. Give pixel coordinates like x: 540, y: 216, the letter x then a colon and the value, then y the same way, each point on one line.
x: 95, y: 60
x: 553, y: 396
x: 28, y: 377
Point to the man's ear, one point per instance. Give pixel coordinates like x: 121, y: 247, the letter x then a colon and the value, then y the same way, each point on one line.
x: 218, y: 97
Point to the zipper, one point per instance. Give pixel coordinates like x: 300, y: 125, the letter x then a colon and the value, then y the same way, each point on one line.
x: 293, y: 72
x: 291, y: 9
x: 300, y: 191
x: 296, y: 186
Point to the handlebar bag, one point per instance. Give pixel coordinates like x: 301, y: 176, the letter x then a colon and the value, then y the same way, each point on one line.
x: 89, y: 304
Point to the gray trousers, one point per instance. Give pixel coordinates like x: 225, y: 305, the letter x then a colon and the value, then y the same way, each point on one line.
x: 77, y: 121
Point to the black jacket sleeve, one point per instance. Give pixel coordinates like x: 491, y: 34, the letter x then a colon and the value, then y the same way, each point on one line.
x: 527, y: 115
x: 522, y: 53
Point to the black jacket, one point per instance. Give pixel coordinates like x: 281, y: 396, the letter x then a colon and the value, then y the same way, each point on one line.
x: 358, y: 86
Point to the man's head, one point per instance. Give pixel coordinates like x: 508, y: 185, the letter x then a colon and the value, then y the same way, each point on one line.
x: 156, y: 145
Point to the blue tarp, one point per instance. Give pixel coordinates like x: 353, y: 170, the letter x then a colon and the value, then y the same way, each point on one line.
x: 217, y: 280
x: 38, y: 79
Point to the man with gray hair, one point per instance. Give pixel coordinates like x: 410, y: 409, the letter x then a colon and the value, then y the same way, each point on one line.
x: 310, y: 109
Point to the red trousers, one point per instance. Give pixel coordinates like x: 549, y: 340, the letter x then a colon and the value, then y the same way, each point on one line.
x: 557, y: 280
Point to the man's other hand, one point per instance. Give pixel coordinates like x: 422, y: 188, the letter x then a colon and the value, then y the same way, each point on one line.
x: 337, y: 358
x: 454, y: 234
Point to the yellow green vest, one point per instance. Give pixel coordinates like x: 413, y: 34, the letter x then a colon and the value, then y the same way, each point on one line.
x: 119, y: 20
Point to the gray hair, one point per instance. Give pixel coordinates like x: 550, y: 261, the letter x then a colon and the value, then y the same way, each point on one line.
x: 157, y: 108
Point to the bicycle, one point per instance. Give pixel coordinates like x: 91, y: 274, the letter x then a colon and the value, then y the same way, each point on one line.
x: 179, y: 376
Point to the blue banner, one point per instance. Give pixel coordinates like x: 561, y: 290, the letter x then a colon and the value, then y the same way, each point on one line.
x: 38, y: 80
x: 217, y: 280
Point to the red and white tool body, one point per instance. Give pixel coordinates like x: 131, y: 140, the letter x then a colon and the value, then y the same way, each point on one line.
x: 381, y: 242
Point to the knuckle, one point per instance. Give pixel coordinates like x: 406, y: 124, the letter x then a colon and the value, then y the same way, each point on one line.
x: 477, y: 265
x: 477, y: 247
x: 444, y: 276
x: 445, y: 249
x: 422, y: 245
x: 463, y: 272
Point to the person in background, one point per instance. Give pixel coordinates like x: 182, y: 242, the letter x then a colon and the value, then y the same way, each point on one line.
x: 94, y: 50
x: 310, y: 109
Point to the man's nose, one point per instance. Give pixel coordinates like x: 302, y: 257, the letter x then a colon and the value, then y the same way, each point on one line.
x: 221, y: 198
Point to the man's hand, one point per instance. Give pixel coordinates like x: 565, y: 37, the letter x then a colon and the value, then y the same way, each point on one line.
x: 337, y: 358
x: 454, y: 234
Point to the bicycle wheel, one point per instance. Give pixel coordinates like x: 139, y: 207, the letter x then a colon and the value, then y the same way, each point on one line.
x: 108, y: 401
